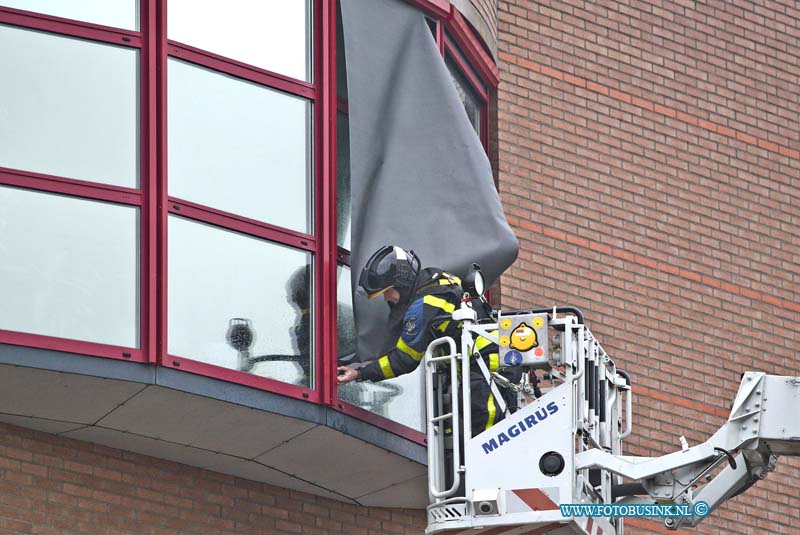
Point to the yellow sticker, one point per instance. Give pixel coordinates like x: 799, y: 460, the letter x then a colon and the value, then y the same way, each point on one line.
x: 504, y: 341
x: 537, y: 322
x: 505, y: 324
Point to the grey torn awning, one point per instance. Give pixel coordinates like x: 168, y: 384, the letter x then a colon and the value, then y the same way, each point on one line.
x: 420, y: 177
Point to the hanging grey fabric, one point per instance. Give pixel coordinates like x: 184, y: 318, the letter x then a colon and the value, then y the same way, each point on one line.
x: 420, y: 177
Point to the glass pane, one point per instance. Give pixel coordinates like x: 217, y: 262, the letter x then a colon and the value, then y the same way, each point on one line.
x: 454, y: 50
x: 341, y: 58
x: 69, y: 107
x: 271, y: 34
x: 70, y: 267
x: 342, y: 143
x: 469, y: 97
x: 343, y: 181
x: 240, y: 302
x: 400, y: 399
x: 346, y: 329
x: 118, y: 13
x: 431, y: 25
x: 239, y: 147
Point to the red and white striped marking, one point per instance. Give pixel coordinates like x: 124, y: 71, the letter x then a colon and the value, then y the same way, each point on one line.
x: 596, y: 526
x: 532, y: 500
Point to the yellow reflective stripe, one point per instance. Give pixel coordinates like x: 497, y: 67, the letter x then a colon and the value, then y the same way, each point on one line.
x: 444, y: 325
x: 414, y: 354
x: 438, y: 302
x: 386, y: 368
x: 494, y: 362
x: 482, y: 342
x: 492, y: 411
x: 448, y: 279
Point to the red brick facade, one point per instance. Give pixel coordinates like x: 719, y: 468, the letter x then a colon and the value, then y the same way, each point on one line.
x: 56, y: 486
x: 648, y: 158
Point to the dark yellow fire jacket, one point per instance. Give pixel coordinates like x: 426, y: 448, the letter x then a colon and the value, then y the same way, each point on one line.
x: 438, y: 294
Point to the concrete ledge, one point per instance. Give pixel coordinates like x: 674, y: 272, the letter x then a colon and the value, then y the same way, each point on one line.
x: 211, y: 424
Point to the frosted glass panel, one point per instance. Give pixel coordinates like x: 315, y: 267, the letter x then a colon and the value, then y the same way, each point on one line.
x: 240, y: 302
x: 343, y: 211
x: 271, y: 34
x: 69, y: 107
x: 400, y: 399
x: 70, y: 267
x: 469, y: 97
x: 119, y: 13
x: 239, y: 147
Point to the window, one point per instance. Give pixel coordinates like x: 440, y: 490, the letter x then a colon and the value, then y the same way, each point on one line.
x: 72, y: 171
x: 470, y: 85
x: 69, y: 107
x: 119, y: 13
x: 343, y: 224
x: 63, y: 275
x: 241, y: 175
x: 270, y: 34
x: 397, y: 399
x: 239, y: 147
x: 240, y: 303
x: 473, y: 104
x: 168, y: 192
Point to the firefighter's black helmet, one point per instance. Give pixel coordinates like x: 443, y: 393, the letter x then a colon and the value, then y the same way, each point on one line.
x: 390, y: 267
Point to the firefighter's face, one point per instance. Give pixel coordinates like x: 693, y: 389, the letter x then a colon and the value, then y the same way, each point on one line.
x: 391, y: 296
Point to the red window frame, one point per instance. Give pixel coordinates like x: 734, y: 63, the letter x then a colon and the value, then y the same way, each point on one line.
x: 155, y: 205
x: 315, y: 92
x: 75, y: 187
x: 151, y: 197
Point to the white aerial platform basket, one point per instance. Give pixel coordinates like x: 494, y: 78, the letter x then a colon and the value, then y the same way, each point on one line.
x: 517, y: 473
x: 565, y: 446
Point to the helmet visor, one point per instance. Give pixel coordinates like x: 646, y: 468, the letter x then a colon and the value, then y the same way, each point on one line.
x: 377, y: 275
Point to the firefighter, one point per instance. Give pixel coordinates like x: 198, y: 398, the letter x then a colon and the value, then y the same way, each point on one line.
x: 421, y: 301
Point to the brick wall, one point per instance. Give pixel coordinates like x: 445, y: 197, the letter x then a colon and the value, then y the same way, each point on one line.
x: 55, y: 486
x: 649, y: 155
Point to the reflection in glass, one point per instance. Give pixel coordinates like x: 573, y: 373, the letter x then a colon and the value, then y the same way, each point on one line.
x: 239, y: 147
x: 68, y: 107
x: 342, y: 143
x: 469, y: 97
x: 343, y: 226
x: 431, y: 25
x: 240, y: 302
x: 400, y: 399
x: 346, y: 329
x: 118, y: 13
x: 341, y: 58
x: 69, y: 267
x: 270, y: 34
